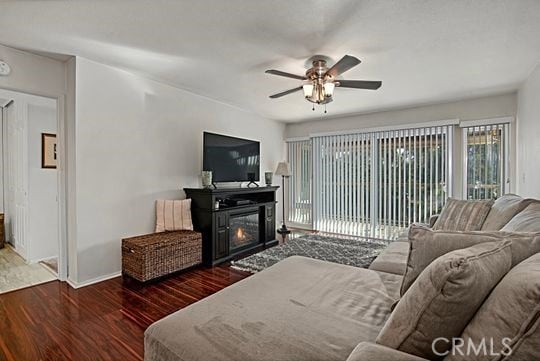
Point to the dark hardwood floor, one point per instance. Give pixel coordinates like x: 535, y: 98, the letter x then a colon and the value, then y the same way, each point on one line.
x: 105, y: 321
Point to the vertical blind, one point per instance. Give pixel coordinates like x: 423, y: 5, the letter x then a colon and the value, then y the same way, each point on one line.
x: 299, y: 156
x: 485, y: 161
x: 375, y: 184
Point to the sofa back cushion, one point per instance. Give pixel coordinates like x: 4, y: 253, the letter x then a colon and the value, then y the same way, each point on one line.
x: 444, y: 298
x: 426, y: 245
x: 503, y: 210
x: 527, y: 220
x: 509, y: 320
x: 459, y: 215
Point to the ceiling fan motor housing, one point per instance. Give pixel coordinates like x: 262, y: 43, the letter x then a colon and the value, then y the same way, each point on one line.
x: 318, y: 70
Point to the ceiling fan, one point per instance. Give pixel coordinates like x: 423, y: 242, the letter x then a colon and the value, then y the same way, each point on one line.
x: 320, y: 81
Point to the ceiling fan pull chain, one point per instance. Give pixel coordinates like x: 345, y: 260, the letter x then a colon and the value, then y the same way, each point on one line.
x: 313, y: 107
x: 325, y: 108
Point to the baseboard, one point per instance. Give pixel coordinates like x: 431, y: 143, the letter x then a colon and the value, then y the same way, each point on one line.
x: 93, y: 280
x: 34, y: 261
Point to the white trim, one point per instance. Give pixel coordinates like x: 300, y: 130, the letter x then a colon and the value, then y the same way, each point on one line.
x: 434, y: 123
x: 93, y: 280
x: 296, y: 139
x: 61, y: 186
x: 302, y: 226
x: 487, y: 121
x: 464, y: 163
x: 37, y: 260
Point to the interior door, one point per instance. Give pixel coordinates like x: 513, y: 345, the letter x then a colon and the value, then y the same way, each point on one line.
x: 16, y: 176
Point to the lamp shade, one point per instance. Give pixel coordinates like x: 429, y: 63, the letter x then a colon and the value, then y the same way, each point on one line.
x: 308, y: 90
x: 329, y: 88
x: 283, y: 169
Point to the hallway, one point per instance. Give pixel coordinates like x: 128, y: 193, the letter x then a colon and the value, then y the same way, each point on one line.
x: 16, y: 274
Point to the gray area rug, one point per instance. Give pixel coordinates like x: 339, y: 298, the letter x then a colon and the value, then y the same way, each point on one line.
x: 352, y: 251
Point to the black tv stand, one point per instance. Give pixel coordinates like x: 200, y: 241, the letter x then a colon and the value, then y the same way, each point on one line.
x: 219, y: 225
x: 252, y: 182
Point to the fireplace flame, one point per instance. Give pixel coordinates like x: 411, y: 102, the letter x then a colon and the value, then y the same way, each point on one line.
x: 240, y: 233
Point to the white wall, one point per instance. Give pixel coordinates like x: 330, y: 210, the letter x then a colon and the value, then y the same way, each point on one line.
x: 138, y: 140
x: 479, y: 108
x: 42, y: 187
x: 528, y: 135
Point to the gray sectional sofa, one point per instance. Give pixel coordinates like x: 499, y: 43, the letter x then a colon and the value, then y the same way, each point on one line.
x: 306, y: 309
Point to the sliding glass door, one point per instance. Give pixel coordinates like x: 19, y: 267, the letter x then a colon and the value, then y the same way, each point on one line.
x: 375, y: 184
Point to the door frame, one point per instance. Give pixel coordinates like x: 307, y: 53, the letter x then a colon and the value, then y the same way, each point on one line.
x: 61, y: 175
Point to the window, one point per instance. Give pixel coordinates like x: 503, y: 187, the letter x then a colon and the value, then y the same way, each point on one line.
x: 299, y: 190
x: 485, y: 159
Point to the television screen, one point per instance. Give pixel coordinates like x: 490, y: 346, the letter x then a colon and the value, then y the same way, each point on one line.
x: 231, y: 159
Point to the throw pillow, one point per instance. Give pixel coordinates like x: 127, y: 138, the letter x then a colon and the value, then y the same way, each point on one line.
x: 509, y: 320
x: 173, y: 215
x: 458, y: 215
x: 527, y: 220
x: 444, y: 298
x: 503, y: 210
x: 426, y: 245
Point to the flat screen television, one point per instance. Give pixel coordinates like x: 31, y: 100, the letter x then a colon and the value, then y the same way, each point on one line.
x: 231, y: 159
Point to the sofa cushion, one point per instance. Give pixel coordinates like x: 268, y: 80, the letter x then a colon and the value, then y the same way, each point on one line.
x: 173, y: 215
x: 503, y: 210
x: 511, y: 311
x: 445, y: 297
x: 426, y: 245
x: 463, y: 215
x: 527, y: 220
x: 298, y: 309
x: 368, y: 351
x: 393, y: 259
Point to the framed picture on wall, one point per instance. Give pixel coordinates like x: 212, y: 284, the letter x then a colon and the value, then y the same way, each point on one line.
x: 48, y: 151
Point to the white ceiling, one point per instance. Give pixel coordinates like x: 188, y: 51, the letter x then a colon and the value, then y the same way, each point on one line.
x: 423, y: 51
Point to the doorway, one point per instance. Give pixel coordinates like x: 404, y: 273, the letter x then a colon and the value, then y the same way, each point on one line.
x: 30, y: 190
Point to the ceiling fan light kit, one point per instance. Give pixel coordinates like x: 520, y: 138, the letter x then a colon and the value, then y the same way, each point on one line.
x: 320, y: 81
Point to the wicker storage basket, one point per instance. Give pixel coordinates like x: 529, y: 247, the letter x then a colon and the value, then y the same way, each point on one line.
x: 155, y: 255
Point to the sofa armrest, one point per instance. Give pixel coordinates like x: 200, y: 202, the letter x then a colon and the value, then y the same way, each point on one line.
x: 367, y: 351
x: 433, y: 219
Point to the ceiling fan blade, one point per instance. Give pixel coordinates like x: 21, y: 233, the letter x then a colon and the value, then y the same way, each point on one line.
x: 344, y: 64
x: 359, y: 84
x: 279, y: 95
x: 287, y: 75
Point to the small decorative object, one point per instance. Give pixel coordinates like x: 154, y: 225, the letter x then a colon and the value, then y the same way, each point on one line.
x: 251, y: 179
x: 206, y: 178
x: 284, y: 171
x: 268, y: 177
x: 48, y: 151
